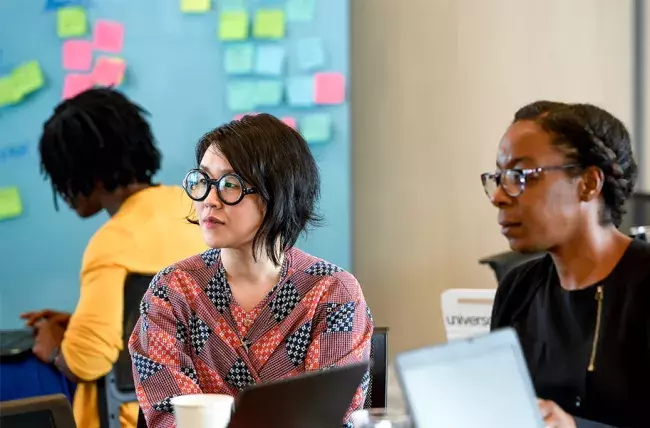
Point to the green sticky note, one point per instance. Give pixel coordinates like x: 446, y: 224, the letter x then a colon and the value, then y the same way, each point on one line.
x: 28, y: 77
x: 231, y: 4
x: 239, y: 58
x: 269, y: 93
x: 269, y: 24
x: 233, y: 25
x: 195, y: 6
x: 316, y: 128
x: 71, y: 22
x: 241, y: 96
x: 10, y: 204
x: 9, y: 91
x: 300, y: 10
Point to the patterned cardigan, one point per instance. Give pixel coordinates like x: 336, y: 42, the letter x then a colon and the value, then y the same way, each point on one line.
x: 192, y: 336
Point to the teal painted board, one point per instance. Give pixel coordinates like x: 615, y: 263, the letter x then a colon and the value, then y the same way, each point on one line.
x: 175, y: 69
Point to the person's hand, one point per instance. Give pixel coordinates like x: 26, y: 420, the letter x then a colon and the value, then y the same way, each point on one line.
x: 48, y: 337
x: 61, y: 318
x: 554, y: 416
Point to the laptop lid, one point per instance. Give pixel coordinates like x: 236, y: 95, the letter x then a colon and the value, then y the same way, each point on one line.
x: 16, y: 344
x: 477, y: 382
x: 314, y: 400
x: 48, y: 411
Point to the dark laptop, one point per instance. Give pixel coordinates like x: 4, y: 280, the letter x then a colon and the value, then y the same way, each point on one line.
x: 15, y: 344
x: 48, y: 411
x: 314, y: 400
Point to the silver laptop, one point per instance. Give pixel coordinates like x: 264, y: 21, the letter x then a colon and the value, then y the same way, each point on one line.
x: 470, y: 383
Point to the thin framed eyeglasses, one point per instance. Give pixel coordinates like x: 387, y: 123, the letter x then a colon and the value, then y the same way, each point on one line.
x: 230, y: 187
x: 513, y: 181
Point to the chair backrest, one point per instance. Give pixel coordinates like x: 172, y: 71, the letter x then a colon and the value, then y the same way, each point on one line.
x: 142, y: 422
x: 117, y: 387
x: 467, y: 312
x: 377, y: 390
x: 48, y: 411
x: 502, y: 263
x: 637, y: 212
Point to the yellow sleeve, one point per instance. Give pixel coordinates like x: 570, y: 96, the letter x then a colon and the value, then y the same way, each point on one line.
x: 93, y: 339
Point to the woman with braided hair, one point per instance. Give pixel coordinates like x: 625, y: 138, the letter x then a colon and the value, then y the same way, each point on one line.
x: 564, y: 172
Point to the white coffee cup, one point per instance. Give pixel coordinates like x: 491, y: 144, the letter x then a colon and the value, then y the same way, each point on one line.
x: 203, y: 410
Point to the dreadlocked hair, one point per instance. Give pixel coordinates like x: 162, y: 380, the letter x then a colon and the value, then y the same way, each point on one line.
x: 97, y: 136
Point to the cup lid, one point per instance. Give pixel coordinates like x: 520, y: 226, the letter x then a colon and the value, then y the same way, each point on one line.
x: 202, y: 400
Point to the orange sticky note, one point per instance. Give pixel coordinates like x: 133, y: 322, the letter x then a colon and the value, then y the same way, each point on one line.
x: 109, y: 71
x: 291, y: 121
x: 329, y: 88
x: 77, y: 55
x: 108, y: 36
x: 75, y: 84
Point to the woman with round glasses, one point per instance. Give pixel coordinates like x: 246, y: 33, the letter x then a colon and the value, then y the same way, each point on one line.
x: 564, y: 172
x: 254, y: 308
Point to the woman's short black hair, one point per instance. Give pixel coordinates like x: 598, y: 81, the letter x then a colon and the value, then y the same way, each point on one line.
x: 591, y: 136
x: 97, y: 136
x: 276, y: 160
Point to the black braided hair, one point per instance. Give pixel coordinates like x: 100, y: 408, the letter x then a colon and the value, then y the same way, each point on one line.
x: 97, y: 136
x: 591, y: 136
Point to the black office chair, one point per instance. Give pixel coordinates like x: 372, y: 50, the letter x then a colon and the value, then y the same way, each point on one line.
x: 117, y: 387
x: 142, y: 422
x: 377, y: 390
x: 638, y: 212
x: 502, y: 263
x: 48, y: 411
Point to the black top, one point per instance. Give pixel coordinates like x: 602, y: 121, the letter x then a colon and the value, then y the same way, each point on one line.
x: 603, y: 377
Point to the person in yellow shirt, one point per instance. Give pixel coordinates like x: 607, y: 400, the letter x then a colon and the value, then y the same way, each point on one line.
x: 99, y: 154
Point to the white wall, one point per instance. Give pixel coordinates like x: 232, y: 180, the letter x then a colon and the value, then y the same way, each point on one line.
x: 434, y: 85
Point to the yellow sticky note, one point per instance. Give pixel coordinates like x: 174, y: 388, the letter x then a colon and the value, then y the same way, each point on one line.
x: 269, y: 24
x: 10, y: 203
x: 195, y: 6
x: 233, y: 25
x: 28, y: 77
x: 71, y: 22
x: 9, y: 92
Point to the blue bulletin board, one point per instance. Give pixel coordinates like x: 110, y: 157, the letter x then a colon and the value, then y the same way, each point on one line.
x: 193, y: 64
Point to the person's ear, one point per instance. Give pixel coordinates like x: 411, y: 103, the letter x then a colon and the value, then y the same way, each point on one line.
x: 591, y: 183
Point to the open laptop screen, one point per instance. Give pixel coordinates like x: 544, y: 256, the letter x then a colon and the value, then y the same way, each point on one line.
x: 481, y: 382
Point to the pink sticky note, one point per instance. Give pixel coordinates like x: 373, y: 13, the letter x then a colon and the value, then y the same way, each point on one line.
x: 77, y: 55
x: 241, y: 116
x: 291, y: 121
x: 109, y: 71
x: 75, y: 84
x: 108, y: 36
x: 329, y: 88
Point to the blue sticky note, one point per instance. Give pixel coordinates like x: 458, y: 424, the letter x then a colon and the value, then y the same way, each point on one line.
x: 231, y: 4
x: 270, y: 60
x: 269, y: 93
x: 300, y: 10
x: 310, y: 54
x: 300, y: 91
x: 238, y: 59
x: 241, y: 96
x: 57, y: 4
x: 316, y: 127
